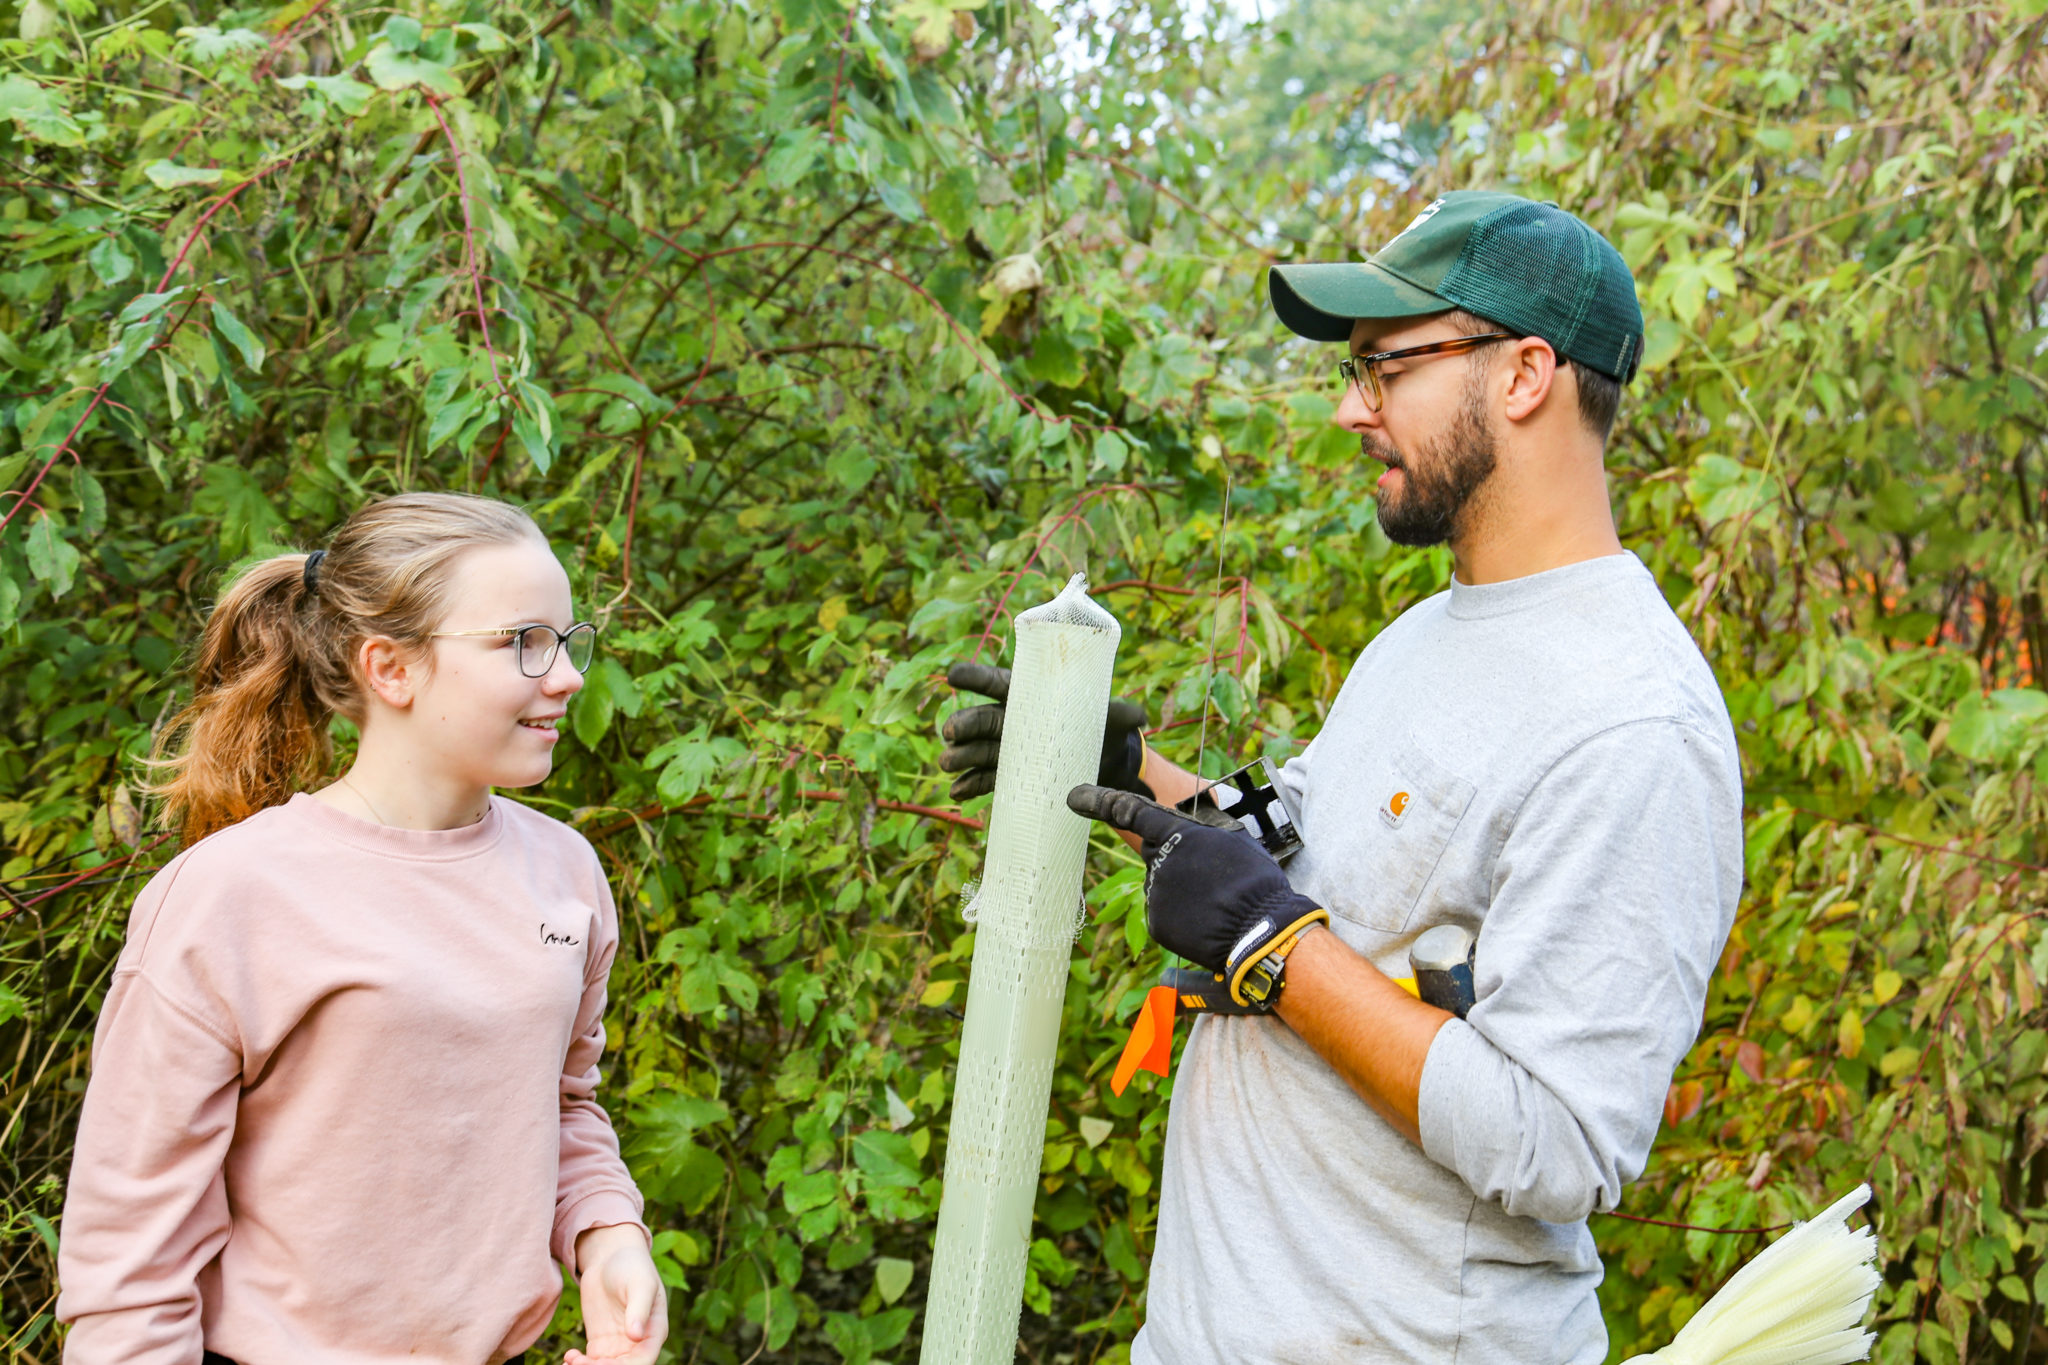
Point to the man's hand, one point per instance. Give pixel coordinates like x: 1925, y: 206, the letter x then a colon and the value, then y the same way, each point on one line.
x: 974, y: 737
x: 625, y: 1312
x: 1211, y: 893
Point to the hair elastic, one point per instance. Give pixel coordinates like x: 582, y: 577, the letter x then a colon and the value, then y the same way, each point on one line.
x: 311, y: 577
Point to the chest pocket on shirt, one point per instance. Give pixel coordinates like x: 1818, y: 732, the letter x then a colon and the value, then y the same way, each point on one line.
x: 1408, y: 820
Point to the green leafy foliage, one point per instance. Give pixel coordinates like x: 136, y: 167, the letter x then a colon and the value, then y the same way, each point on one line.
x: 824, y: 339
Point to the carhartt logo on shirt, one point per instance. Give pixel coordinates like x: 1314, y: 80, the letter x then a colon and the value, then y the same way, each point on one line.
x: 557, y: 938
x: 1396, y: 807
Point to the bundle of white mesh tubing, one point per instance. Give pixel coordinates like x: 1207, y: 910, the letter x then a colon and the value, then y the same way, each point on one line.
x: 1800, y: 1302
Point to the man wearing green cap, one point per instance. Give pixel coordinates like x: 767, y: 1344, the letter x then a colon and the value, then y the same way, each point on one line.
x: 1540, y: 755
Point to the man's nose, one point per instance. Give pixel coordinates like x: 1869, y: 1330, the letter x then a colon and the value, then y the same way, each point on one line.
x: 1353, y: 415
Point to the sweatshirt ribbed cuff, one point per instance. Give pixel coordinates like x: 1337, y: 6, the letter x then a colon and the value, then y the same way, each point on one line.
x: 598, y: 1209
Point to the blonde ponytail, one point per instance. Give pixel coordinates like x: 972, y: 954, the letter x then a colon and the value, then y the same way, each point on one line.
x: 277, y: 657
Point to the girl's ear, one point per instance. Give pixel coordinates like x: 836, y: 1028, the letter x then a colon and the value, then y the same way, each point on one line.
x: 389, y: 670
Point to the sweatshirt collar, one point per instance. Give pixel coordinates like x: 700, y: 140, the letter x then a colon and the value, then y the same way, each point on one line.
x: 1470, y: 601
x: 424, y: 845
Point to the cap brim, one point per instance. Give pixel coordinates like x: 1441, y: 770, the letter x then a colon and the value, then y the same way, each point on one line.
x: 1322, y: 301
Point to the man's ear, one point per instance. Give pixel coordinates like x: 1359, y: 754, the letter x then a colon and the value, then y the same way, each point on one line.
x: 389, y: 670
x: 1531, y: 375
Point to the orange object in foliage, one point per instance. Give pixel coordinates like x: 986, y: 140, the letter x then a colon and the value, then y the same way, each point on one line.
x: 1150, y: 1047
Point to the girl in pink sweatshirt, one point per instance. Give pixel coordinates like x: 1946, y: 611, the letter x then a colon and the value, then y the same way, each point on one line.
x: 342, y: 1101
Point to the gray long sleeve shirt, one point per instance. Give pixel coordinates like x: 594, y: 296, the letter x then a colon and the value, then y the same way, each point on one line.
x: 1548, y: 762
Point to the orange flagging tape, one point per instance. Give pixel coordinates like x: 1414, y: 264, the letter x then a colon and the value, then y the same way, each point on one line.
x: 1150, y: 1047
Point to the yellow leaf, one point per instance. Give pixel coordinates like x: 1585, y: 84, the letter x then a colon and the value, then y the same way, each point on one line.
x: 831, y: 614
x: 1797, y: 1015
x: 1849, y: 1035
x: 1898, y: 1061
x: 938, y: 993
x: 1886, y: 986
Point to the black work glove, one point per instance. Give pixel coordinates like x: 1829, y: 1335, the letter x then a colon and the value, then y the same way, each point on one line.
x: 974, y: 737
x: 1212, y: 894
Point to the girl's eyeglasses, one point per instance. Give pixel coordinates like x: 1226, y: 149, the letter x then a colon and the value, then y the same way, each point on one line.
x: 534, y: 646
x: 1364, y: 370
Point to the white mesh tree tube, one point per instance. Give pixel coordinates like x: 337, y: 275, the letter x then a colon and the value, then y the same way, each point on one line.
x: 1030, y: 891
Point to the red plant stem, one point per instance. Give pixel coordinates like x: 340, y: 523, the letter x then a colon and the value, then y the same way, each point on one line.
x: 1072, y: 514
x: 603, y: 329
x: 22, y: 499
x: 476, y: 274
x: 63, y: 886
x: 832, y: 121
x: 291, y: 31
x: 632, y: 512
x: 504, y: 430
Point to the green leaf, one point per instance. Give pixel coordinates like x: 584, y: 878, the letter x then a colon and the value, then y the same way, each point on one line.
x: 92, y: 501
x: 1994, y: 728
x: 403, y: 33
x: 12, y: 1006
x: 109, y: 262
x: 210, y: 46
x: 1164, y: 370
x: 536, y: 444
x: 892, y: 1278
x: 954, y: 199
x: 236, y: 500
x: 689, y: 762
x: 1110, y: 452
x: 1055, y: 359
x: 449, y: 419
x: 21, y: 97
x: 392, y: 70
x: 1723, y: 490
x: 351, y: 97
x: 887, y: 1159
x: 240, y: 337
x: 810, y: 1191
x: 487, y: 38
x: 51, y: 558
x: 659, y: 1143
x: 852, y: 466
x: 1763, y: 836
x: 38, y: 112
x: 898, y: 200
x: 168, y: 175
x: 142, y: 305
x: 794, y: 152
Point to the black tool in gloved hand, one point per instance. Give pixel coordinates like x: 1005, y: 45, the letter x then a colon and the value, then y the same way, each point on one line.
x: 1212, y: 894
x: 974, y: 736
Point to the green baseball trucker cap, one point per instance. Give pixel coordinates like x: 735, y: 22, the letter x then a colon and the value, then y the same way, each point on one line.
x: 1533, y: 268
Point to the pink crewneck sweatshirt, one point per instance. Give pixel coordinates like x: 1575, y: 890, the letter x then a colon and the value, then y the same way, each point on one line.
x: 341, y: 1107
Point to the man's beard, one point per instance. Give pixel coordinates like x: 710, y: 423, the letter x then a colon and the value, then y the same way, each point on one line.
x: 1438, y: 486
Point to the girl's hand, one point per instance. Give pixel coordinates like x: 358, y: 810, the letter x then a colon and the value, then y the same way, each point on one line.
x: 625, y: 1311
